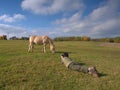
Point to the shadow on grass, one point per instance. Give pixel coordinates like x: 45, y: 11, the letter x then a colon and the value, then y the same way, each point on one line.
x: 102, y: 74
x: 62, y: 52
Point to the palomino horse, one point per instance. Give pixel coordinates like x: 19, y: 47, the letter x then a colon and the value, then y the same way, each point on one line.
x: 41, y: 40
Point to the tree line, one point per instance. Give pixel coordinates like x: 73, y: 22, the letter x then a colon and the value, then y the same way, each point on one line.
x: 71, y: 38
x: 21, y: 38
x: 111, y: 40
x: 87, y: 38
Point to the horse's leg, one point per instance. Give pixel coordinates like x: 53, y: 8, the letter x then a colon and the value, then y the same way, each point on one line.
x: 30, y: 47
x: 44, y: 47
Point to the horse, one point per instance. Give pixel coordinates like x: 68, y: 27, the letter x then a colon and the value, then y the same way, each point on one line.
x: 41, y: 40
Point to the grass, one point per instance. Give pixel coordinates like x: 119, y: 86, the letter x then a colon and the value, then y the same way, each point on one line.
x: 20, y: 70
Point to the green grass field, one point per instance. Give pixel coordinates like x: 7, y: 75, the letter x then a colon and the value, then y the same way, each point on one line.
x: 20, y: 70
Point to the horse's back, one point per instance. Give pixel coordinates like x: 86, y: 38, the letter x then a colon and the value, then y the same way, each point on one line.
x: 36, y: 39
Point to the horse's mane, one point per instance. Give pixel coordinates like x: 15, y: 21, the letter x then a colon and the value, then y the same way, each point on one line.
x: 50, y: 40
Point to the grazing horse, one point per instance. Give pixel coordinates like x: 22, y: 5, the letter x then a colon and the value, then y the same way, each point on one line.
x: 41, y: 40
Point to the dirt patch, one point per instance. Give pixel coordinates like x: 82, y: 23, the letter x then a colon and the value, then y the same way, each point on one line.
x: 116, y: 45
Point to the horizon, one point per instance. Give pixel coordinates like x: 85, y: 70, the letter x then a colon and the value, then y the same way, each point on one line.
x: 8, y: 37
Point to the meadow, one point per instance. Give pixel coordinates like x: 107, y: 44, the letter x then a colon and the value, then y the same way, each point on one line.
x: 20, y: 70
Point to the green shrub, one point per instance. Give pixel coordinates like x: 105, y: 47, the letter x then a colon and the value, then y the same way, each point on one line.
x: 117, y: 40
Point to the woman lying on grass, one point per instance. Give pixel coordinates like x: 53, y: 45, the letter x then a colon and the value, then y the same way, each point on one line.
x: 77, y: 67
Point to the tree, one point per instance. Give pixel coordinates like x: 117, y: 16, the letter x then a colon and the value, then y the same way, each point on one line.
x: 85, y: 38
x: 3, y: 37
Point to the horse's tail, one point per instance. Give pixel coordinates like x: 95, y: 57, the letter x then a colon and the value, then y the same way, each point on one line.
x: 31, y: 38
x: 31, y: 42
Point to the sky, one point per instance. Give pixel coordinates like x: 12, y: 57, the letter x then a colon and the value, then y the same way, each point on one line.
x: 56, y: 18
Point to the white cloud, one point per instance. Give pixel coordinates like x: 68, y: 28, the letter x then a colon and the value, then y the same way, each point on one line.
x: 107, y: 11
x: 12, y: 30
x: 102, y: 21
x: 73, y: 19
x: 51, y: 6
x: 10, y: 19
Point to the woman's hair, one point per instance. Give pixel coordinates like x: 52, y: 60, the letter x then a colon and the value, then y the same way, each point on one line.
x: 65, y: 54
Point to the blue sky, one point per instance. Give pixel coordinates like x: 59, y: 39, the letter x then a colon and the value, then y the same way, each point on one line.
x: 94, y: 18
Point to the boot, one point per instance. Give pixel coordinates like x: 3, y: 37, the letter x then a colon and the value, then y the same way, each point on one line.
x: 92, y: 71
